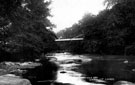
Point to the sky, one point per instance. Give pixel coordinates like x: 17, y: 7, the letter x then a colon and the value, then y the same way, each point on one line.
x: 67, y: 12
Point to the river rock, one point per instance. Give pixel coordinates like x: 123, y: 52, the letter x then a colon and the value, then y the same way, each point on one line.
x: 63, y: 72
x: 13, y: 80
x: 77, y: 61
x: 59, y: 83
x: 123, y: 83
x: 69, y: 61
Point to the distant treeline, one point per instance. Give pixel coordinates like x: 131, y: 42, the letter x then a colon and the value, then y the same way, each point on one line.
x: 112, y: 31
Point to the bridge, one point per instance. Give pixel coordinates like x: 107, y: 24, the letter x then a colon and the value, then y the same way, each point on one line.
x: 70, y: 39
x: 66, y: 44
x: 76, y: 38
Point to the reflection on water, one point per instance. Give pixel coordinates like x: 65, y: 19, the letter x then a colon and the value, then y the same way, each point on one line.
x: 68, y: 62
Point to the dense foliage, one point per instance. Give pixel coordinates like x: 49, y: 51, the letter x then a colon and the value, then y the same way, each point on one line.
x: 23, y: 28
x: 111, y: 31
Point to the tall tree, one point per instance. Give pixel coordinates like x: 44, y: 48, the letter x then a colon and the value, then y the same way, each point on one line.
x: 114, y: 2
x: 27, y: 22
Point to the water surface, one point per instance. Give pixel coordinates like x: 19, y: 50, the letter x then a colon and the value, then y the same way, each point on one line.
x: 67, y: 63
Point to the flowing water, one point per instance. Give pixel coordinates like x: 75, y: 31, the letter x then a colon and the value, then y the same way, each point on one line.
x: 67, y: 63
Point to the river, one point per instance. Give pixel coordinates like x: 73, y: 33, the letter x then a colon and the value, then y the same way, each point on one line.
x: 68, y: 62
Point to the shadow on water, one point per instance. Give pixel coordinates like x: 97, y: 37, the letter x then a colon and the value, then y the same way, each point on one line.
x: 52, y: 83
x: 110, y: 70
x: 45, y: 74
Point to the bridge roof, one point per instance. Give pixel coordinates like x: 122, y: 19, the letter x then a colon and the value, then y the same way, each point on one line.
x: 70, y: 39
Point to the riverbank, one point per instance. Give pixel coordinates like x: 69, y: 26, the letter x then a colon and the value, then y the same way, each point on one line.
x: 44, y: 70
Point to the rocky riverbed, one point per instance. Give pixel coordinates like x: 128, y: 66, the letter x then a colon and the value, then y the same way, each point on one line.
x: 73, y: 70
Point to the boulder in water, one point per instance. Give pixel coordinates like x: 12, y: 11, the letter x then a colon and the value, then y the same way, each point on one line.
x: 123, y: 83
x: 13, y: 80
x: 63, y: 72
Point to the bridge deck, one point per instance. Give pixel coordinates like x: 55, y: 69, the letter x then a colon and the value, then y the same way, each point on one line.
x: 71, y: 39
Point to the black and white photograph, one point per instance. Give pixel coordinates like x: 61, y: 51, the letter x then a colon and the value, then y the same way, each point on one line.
x: 67, y: 42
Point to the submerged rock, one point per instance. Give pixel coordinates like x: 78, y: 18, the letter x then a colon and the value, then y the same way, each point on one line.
x: 13, y: 80
x: 63, y: 72
x: 78, y: 61
x: 123, y: 83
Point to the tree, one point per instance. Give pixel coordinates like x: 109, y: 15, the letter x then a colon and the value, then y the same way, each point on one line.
x: 71, y: 32
x: 114, y: 2
x: 112, y: 30
x: 26, y: 23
